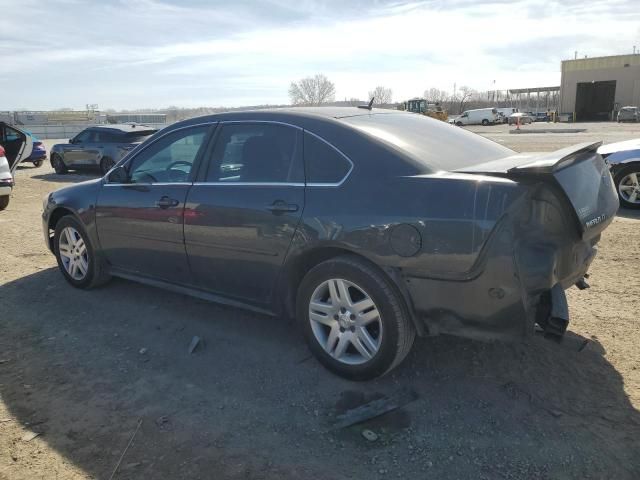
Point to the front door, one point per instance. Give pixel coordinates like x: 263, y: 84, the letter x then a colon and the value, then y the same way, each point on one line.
x: 240, y: 219
x: 140, y: 221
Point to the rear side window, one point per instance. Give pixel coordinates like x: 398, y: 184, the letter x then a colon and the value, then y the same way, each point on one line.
x: 323, y: 163
x: 257, y: 153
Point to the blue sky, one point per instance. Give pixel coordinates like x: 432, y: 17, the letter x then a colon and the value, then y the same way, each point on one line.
x: 157, y: 53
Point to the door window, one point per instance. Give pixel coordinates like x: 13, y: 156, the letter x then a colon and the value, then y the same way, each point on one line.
x: 256, y: 153
x: 170, y: 159
x: 82, y: 137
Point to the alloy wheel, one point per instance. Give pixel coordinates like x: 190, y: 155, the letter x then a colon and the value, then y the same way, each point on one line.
x: 629, y: 188
x: 73, y: 253
x: 345, y: 321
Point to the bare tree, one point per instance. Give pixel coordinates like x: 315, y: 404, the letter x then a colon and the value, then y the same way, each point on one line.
x: 312, y: 91
x: 465, y: 94
x: 381, y: 96
x: 435, y: 95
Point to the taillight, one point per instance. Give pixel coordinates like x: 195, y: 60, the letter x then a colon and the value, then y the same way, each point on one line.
x: 1, y: 151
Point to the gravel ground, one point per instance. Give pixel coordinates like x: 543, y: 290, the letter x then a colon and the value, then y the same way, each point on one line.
x: 83, y: 368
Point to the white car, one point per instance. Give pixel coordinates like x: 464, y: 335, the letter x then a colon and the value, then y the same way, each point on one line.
x: 523, y: 117
x: 623, y: 159
x: 14, y: 146
x: 479, y: 116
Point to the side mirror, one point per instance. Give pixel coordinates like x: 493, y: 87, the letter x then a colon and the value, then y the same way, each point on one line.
x: 118, y: 175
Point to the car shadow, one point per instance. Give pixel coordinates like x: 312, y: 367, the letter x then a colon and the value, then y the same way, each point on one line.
x: 628, y: 213
x: 83, y: 367
x: 70, y: 177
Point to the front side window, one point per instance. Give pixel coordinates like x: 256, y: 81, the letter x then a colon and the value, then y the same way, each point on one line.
x: 170, y: 159
x: 323, y: 163
x: 256, y: 153
x: 83, y: 137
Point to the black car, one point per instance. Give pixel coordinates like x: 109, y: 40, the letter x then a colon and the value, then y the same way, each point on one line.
x: 367, y: 226
x: 99, y: 146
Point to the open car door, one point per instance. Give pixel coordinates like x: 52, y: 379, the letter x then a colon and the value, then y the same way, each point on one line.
x: 17, y: 144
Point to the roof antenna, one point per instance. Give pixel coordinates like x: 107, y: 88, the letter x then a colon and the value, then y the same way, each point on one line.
x: 369, y: 106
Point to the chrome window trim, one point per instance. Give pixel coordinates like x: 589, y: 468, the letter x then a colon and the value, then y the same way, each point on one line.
x: 276, y: 122
x: 252, y: 184
x: 346, y: 176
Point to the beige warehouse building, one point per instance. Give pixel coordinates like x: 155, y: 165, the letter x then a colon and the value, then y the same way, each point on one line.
x: 595, y: 88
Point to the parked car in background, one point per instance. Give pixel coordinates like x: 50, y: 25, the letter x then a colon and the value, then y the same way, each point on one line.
x: 14, y: 146
x: 38, y: 153
x: 629, y: 114
x: 505, y: 112
x: 367, y: 226
x: 99, y: 146
x: 542, y: 117
x: 480, y: 116
x: 523, y: 118
x: 623, y: 159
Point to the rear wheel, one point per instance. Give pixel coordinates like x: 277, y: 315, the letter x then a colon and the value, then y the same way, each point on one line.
x: 37, y: 163
x: 106, y: 164
x: 485, y: 122
x: 4, y: 202
x: 57, y: 164
x: 355, y: 322
x: 627, y: 182
x: 76, y: 257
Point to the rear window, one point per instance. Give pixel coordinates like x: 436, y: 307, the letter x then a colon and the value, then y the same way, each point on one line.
x: 432, y: 144
x: 137, y: 137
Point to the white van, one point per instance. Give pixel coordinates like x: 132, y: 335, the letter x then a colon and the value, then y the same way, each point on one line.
x: 480, y: 116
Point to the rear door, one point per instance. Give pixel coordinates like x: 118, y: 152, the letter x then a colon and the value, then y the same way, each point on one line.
x: 140, y: 222
x: 242, y: 214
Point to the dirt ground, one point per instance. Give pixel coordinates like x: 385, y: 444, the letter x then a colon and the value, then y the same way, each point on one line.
x: 83, y: 368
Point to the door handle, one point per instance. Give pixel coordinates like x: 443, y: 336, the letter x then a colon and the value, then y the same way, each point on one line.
x: 279, y: 207
x: 166, y: 202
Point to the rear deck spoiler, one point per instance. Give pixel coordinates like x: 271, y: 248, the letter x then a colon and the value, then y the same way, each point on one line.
x: 528, y: 163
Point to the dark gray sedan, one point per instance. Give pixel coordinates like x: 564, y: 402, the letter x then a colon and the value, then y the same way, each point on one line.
x: 99, y: 146
x: 367, y: 226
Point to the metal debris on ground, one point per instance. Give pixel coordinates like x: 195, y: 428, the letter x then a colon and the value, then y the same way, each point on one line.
x: 375, y: 408
x: 195, y: 341
x: 370, y: 435
x: 27, y: 437
x: 126, y: 448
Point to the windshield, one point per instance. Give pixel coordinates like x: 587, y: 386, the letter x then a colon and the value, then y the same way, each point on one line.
x: 138, y: 137
x: 433, y: 144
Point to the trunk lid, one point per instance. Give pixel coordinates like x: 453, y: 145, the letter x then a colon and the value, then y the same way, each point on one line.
x: 580, y: 173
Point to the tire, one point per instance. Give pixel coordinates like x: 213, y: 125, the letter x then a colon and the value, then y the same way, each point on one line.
x: 622, y: 177
x: 485, y: 122
x: 58, y: 164
x: 38, y: 163
x: 390, y: 329
x: 106, y: 164
x: 4, y: 202
x: 95, y: 270
x: 459, y: 124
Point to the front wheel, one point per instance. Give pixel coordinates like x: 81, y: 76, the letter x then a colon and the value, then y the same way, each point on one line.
x: 57, y: 164
x: 4, y: 202
x: 627, y: 182
x: 355, y: 322
x: 459, y: 124
x: 37, y: 163
x: 76, y: 256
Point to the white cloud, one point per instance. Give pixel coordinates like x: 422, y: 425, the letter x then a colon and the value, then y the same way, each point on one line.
x: 247, y: 53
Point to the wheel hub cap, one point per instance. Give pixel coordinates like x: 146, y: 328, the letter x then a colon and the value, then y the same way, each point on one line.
x: 345, y: 321
x: 73, y: 253
x: 629, y: 188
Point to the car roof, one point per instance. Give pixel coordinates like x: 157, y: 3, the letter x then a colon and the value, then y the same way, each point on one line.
x: 125, y: 127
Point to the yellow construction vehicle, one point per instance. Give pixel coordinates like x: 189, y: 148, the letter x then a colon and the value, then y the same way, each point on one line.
x: 420, y: 105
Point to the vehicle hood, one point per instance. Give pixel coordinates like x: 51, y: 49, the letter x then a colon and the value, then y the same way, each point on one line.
x: 619, y: 147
